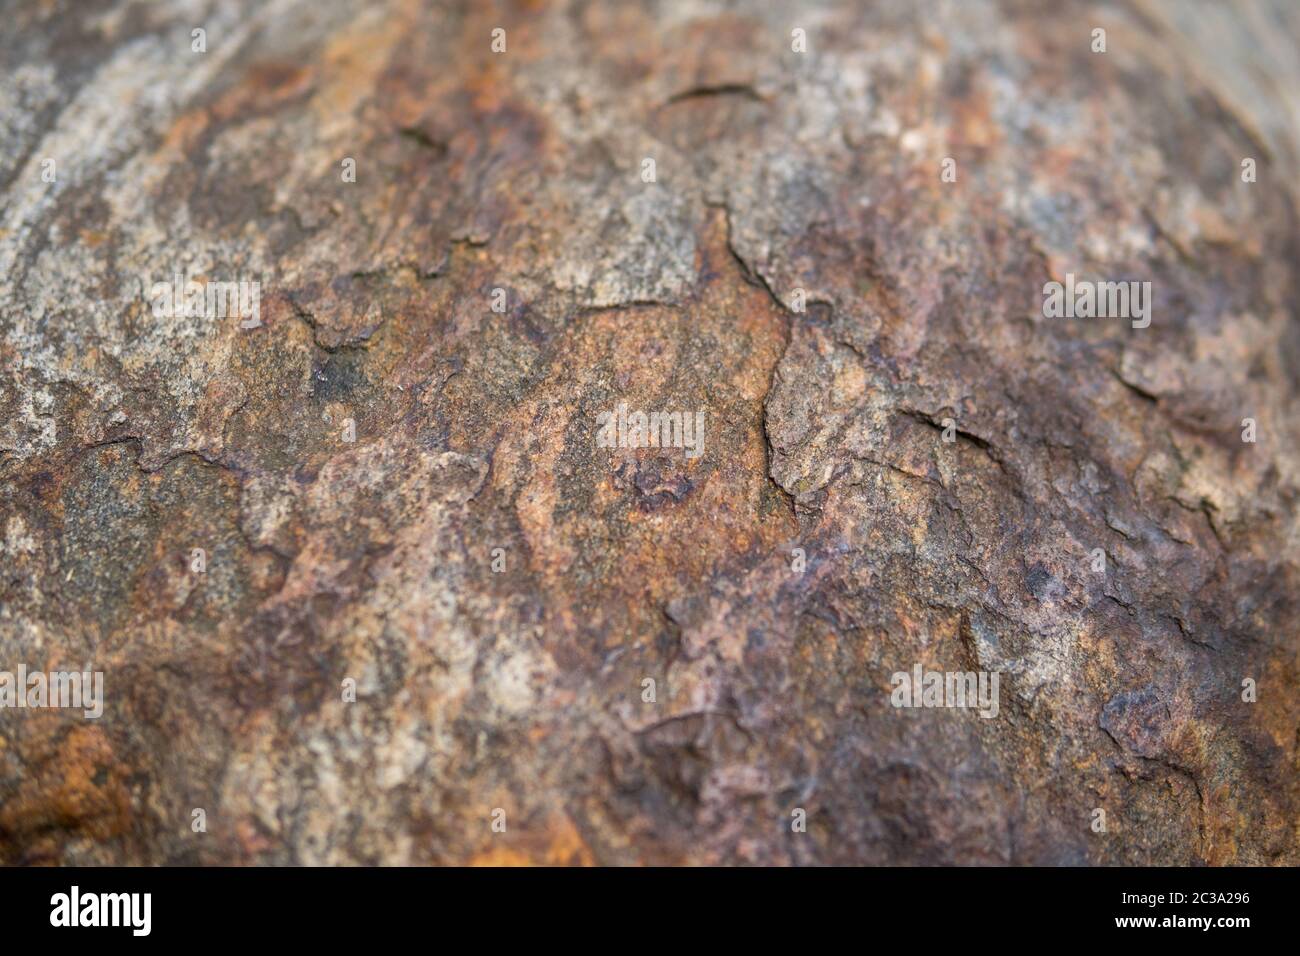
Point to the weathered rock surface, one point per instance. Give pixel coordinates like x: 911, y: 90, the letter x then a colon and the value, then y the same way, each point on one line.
x: 128, y: 440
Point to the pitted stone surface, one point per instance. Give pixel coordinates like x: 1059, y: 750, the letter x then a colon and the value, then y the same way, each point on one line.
x: 129, y: 439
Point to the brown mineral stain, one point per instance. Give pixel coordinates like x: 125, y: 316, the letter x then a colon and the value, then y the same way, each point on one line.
x: 79, y: 786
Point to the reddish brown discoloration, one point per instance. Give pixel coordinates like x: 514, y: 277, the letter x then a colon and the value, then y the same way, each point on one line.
x: 128, y: 439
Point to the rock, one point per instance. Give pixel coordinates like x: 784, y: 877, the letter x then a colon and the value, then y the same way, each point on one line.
x: 365, y: 588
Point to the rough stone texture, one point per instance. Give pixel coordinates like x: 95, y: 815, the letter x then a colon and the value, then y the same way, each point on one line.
x: 126, y: 440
